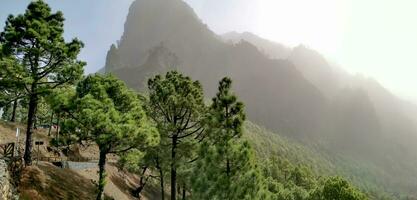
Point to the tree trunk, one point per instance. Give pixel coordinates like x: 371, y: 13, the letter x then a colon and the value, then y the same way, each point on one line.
x: 35, y: 118
x: 101, y: 174
x: 142, y: 183
x: 33, y: 102
x: 57, y: 129
x: 13, y: 118
x: 137, y: 191
x: 183, y: 192
x: 179, y: 190
x: 162, y: 184
x: 228, y: 168
x: 161, y: 177
x: 50, y: 124
x: 173, y: 168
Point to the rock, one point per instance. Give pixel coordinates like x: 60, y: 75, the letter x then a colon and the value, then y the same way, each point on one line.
x: 5, y: 185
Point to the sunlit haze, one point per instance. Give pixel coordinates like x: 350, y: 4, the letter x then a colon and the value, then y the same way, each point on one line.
x: 208, y: 99
x: 370, y: 37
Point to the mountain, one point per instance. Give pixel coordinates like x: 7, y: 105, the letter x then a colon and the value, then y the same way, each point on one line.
x: 269, y: 48
x: 363, y: 119
x: 177, y: 39
x: 293, y: 91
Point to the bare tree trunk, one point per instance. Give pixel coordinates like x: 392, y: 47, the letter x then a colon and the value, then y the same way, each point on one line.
x: 228, y: 168
x: 101, y: 174
x: 161, y: 177
x: 179, y: 190
x: 183, y: 192
x: 173, y: 168
x: 13, y: 118
x: 35, y: 118
x: 142, y: 183
x: 33, y: 102
x: 57, y: 129
x: 50, y: 124
x: 161, y: 173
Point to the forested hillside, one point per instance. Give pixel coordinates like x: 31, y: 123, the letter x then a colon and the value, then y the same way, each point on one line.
x: 293, y: 91
x: 189, y: 114
x: 171, y: 132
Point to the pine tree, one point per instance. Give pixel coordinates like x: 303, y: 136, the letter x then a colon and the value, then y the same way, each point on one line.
x: 227, y: 169
x: 150, y: 163
x: 176, y: 105
x: 44, y: 61
x: 6, y: 112
x: 105, y: 111
x: 336, y: 188
x: 11, y: 91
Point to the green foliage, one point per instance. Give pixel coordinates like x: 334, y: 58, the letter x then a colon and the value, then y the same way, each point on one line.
x: 35, y: 41
x: 336, y: 188
x: 110, y: 114
x: 226, y: 168
x: 7, y: 112
x: 202, y: 149
x: 176, y: 105
x: 213, y: 180
x: 10, y: 89
x: 291, y: 170
x: 103, y: 110
x: 226, y: 115
x: 35, y: 59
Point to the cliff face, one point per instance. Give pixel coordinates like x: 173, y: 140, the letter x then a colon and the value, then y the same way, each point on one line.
x: 162, y: 35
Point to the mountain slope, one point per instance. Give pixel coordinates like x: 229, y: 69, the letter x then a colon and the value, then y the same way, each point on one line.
x: 176, y: 39
x: 363, y: 120
x: 271, y: 49
x: 295, y: 92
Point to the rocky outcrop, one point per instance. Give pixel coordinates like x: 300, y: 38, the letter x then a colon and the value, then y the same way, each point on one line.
x: 6, y: 188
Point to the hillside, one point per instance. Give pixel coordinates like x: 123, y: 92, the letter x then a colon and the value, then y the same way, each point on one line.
x: 295, y: 92
x: 76, y: 182
x: 79, y: 183
x: 178, y: 40
x: 367, y: 175
x: 362, y: 114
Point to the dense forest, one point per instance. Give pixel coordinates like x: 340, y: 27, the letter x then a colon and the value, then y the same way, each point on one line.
x: 185, y: 111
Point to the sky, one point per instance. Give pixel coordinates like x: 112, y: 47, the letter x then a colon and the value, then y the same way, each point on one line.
x: 376, y: 38
x: 98, y: 23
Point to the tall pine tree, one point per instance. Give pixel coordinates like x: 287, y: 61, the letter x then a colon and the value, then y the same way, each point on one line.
x: 44, y: 60
x: 227, y: 169
x: 105, y: 111
x: 176, y: 104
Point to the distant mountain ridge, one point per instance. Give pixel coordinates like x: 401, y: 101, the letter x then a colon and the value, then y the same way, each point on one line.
x: 183, y: 42
x: 294, y: 91
x: 269, y: 48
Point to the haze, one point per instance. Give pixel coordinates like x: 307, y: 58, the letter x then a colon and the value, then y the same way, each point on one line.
x: 295, y: 97
x: 371, y: 37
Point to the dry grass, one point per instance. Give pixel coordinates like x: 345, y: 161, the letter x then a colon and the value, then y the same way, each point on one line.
x: 8, y: 133
x: 120, y: 189
x: 47, y: 182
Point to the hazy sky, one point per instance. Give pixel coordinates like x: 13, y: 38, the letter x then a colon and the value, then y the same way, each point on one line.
x: 373, y: 37
x: 377, y: 38
x: 98, y: 23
